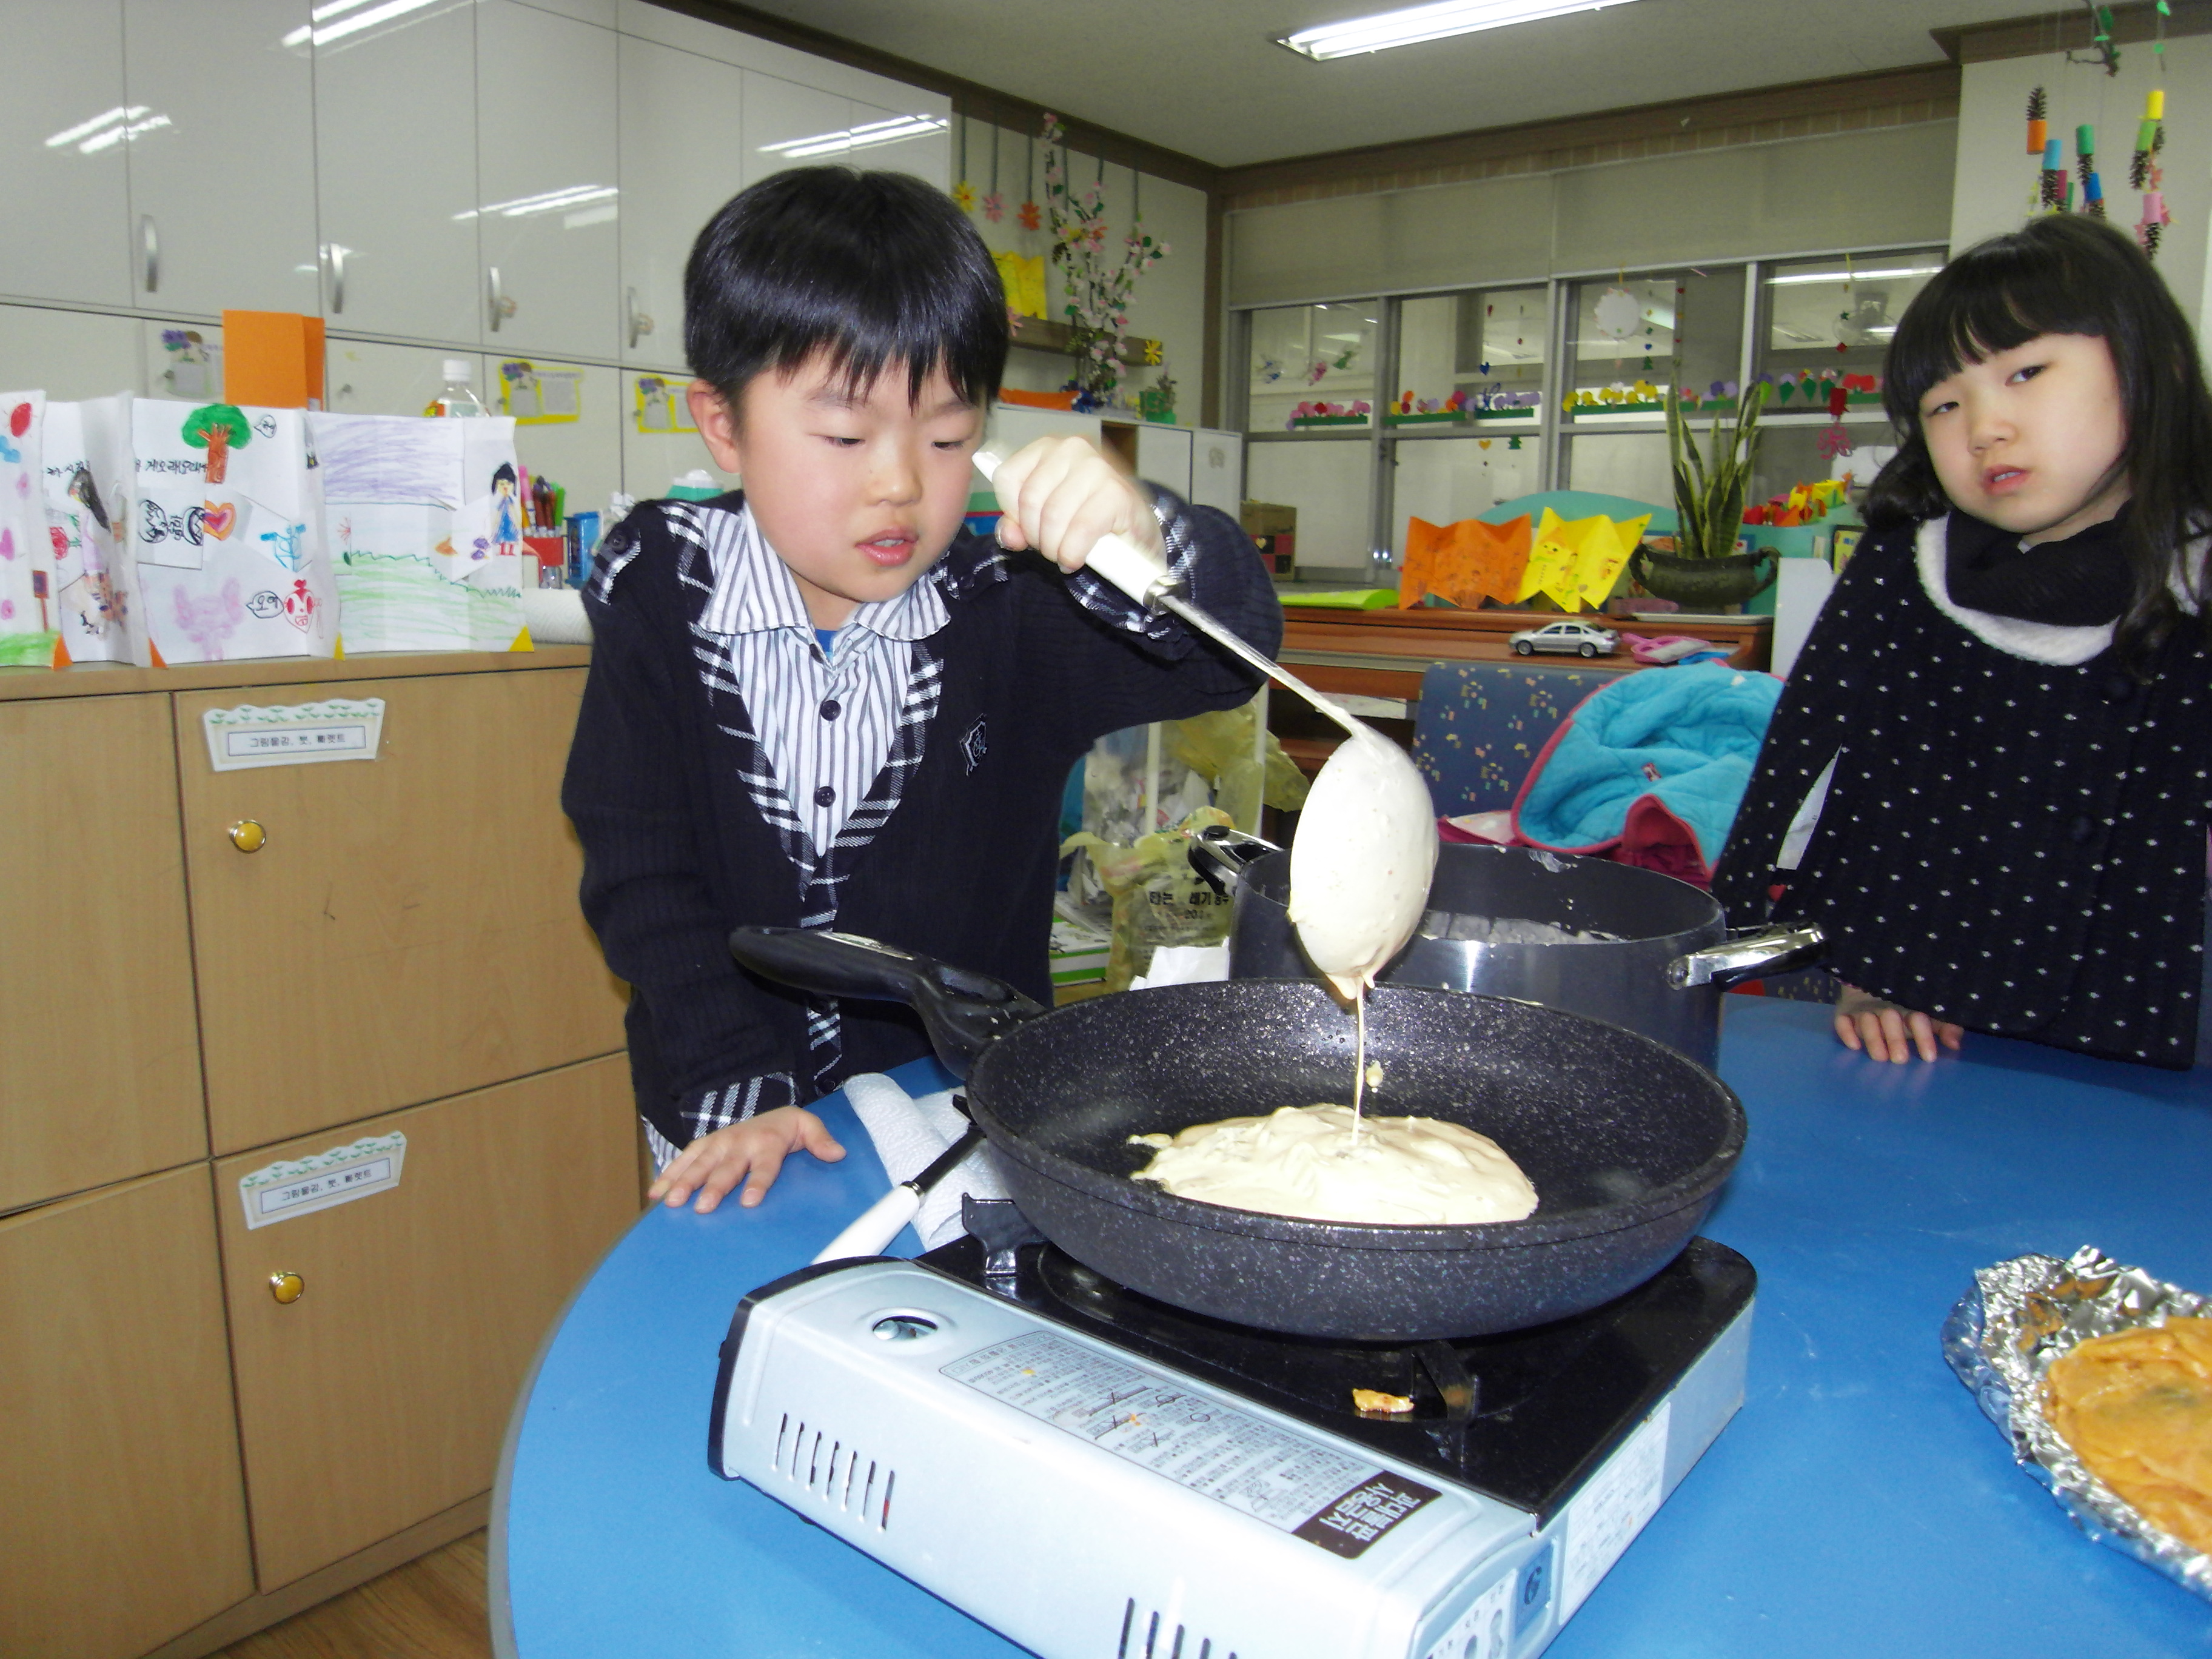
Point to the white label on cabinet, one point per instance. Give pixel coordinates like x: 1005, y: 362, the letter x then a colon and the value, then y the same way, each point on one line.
x: 291, y: 734
x: 1607, y: 1514
x: 300, y: 1186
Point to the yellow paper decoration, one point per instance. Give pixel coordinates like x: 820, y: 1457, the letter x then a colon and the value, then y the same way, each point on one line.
x: 1023, y: 279
x: 1577, y: 563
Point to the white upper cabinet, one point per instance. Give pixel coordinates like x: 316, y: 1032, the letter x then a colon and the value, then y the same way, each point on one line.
x: 789, y: 125
x: 223, y: 179
x: 396, y: 159
x: 683, y: 156
x: 63, y: 129
x: 911, y: 139
x: 548, y: 194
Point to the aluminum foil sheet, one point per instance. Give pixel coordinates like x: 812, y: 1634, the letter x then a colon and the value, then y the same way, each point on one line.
x: 2004, y: 1334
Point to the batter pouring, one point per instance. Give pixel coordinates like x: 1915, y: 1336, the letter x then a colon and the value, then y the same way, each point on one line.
x: 1322, y: 1163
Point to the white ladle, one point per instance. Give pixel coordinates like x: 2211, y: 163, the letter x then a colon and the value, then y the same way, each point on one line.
x: 1366, y: 843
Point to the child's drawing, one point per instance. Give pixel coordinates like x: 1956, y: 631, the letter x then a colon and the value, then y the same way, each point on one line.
x: 506, y: 528
x: 209, y: 619
x: 218, y: 429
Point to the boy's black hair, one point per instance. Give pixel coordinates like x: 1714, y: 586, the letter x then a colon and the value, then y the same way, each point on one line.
x: 2069, y: 274
x: 873, y: 268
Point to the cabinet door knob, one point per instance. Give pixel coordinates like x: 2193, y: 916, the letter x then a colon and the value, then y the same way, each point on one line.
x: 248, y: 836
x: 499, y: 305
x: 640, y: 324
x: 149, y: 241
x: 286, y: 1288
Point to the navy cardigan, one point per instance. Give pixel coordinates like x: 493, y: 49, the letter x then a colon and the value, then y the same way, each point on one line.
x: 677, y: 852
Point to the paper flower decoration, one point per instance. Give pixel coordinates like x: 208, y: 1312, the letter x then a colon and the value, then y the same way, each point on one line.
x: 994, y: 207
x: 1027, y: 218
x: 964, y: 193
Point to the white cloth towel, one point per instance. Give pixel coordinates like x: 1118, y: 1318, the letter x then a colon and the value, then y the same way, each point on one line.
x: 1184, y: 964
x: 910, y: 1134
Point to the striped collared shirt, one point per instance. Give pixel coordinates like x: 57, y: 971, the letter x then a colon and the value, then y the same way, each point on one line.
x: 824, y: 723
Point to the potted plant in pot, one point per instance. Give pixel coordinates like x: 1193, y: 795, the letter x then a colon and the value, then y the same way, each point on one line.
x: 1705, y: 571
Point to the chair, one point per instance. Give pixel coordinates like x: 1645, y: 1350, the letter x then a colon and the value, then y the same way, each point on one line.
x: 1483, y: 723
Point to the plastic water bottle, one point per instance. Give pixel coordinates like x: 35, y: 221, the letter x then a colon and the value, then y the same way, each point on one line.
x: 457, y: 399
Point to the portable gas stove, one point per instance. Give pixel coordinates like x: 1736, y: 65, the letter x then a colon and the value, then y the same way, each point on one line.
x: 1092, y: 1472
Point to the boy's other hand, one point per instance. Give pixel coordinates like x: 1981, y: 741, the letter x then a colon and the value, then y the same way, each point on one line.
x: 752, y: 1151
x: 1887, y: 1032
x: 1060, y: 495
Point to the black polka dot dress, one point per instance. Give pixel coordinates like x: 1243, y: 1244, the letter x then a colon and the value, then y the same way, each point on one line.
x: 2010, y: 844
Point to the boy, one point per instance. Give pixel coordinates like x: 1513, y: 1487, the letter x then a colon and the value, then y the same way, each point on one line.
x: 820, y: 702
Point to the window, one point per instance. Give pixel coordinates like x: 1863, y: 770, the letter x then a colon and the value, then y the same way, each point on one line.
x: 1313, y: 368
x: 1824, y: 319
x: 1470, y: 358
x: 1444, y: 480
x: 1328, y: 484
x: 1626, y: 336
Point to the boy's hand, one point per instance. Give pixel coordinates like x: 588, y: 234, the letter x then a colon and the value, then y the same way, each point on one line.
x: 1865, y: 1021
x: 1060, y: 495
x: 752, y: 1151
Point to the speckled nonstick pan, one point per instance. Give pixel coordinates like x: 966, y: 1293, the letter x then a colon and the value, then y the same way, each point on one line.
x: 1626, y: 1141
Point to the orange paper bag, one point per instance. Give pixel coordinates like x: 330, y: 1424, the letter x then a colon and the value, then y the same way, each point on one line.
x: 272, y: 360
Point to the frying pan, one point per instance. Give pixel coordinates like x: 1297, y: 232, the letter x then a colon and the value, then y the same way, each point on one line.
x: 1626, y: 1141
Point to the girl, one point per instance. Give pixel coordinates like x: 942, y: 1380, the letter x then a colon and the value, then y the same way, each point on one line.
x: 1988, y: 778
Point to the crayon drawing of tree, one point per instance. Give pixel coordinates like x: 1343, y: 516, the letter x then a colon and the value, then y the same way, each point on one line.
x: 217, y: 427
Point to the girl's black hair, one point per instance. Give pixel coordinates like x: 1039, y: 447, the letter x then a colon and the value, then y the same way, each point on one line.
x: 2069, y: 274
x: 873, y: 268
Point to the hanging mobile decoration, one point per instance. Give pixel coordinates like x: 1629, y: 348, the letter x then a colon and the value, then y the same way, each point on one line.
x: 2102, y: 52
x: 2039, y: 126
x: 963, y: 192
x: 2147, y: 136
x: 1028, y: 217
x: 2053, y: 197
x: 995, y: 205
x: 2155, y: 217
x: 2085, y: 164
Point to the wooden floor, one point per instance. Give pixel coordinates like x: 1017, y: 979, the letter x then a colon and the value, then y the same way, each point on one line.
x: 434, y: 1607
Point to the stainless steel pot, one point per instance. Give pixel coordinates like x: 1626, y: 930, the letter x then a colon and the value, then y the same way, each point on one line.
x: 1672, y: 957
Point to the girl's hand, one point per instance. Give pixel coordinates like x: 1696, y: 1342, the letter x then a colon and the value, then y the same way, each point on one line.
x: 1864, y: 1021
x: 1060, y: 495
x: 753, y: 1151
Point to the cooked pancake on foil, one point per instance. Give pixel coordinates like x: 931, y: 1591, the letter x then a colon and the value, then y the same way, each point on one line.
x: 2136, y: 1406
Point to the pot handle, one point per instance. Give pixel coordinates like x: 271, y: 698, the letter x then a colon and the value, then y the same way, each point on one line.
x: 1219, y: 855
x: 1746, y: 956
x: 964, y: 1013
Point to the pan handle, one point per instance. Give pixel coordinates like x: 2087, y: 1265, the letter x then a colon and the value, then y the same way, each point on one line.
x: 964, y: 1013
x: 1746, y: 956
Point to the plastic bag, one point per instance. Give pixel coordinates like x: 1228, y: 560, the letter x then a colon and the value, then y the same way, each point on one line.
x: 1219, y: 746
x: 1159, y: 898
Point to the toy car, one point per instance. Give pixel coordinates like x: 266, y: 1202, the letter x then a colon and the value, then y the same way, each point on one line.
x: 1584, y: 639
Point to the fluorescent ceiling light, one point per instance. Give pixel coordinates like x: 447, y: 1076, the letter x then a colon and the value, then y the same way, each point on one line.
x: 892, y: 132
x: 86, y: 129
x: 1415, y: 24
x: 1852, y: 275
x: 551, y: 201
x: 313, y: 33
x: 114, y: 136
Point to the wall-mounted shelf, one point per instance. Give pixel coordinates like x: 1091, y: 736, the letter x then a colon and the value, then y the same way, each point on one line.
x: 1042, y: 335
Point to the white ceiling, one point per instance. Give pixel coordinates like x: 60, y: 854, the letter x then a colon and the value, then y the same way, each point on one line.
x: 1205, y: 76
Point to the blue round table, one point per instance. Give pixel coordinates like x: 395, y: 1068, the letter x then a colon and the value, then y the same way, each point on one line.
x: 1859, y: 1504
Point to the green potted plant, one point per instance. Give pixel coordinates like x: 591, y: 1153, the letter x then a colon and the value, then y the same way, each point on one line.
x: 1705, y: 571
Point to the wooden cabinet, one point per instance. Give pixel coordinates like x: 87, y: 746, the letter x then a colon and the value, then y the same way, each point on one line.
x: 121, y: 1517
x: 98, y: 1061
x: 405, y: 954
x: 410, y: 930
x: 379, y: 1394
